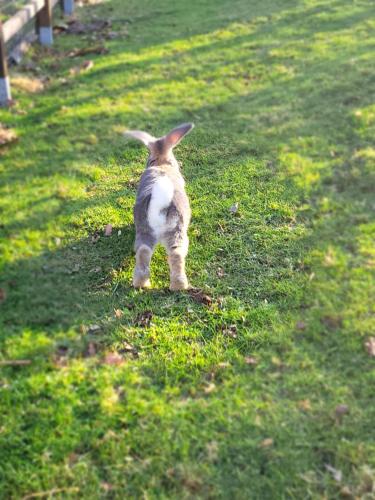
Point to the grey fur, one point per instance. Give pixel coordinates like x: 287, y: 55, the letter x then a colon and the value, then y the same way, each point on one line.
x: 162, y: 162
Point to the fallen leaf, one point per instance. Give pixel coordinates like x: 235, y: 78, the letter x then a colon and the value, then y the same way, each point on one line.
x: 231, y: 331
x: 82, y: 68
x: 127, y: 349
x: 304, y: 405
x: 94, y: 329
x: 249, y: 360
x: 301, y: 325
x: 28, y: 84
x: 336, y: 474
x: 341, y: 410
x: 60, y: 28
x: 266, y: 443
x: 224, y: 364
x: 107, y: 486
x: 15, y: 362
x: 370, y: 346
x: 2, y: 295
x: 234, y: 208
x: 95, y: 237
x: 144, y: 319
x: 118, y: 313
x: 7, y: 135
x: 96, y: 49
x: 346, y: 492
x: 220, y: 272
x: 113, y: 358
x: 329, y: 258
x: 108, y: 230
x: 209, y: 388
x: 91, y: 349
x: 199, y: 296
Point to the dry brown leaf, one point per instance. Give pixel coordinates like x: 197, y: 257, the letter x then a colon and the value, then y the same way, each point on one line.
x: 341, y: 410
x: 266, y: 443
x: 346, y: 492
x: 7, y: 135
x: 95, y: 237
x: 107, y: 486
x: 199, y: 296
x: 220, y: 272
x: 91, y: 349
x: 28, y: 84
x: 108, y: 230
x: 118, y: 313
x: 250, y: 360
x: 15, y: 362
x: 370, y: 346
x: 301, y: 325
x: 113, y: 358
x: 223, y: 365
x: 84, y: 51
x: 209, y: 388
x: 82, y: 68
x: 231, y: 331
x: 304, y: 405
x: 144, y: 319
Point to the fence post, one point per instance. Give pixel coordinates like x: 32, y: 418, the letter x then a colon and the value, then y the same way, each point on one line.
x: 44, y: 23
x: 5, y: 95
x: 68, y: 7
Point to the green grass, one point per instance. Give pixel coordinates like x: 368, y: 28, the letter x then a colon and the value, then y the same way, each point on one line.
x: 282, y: 95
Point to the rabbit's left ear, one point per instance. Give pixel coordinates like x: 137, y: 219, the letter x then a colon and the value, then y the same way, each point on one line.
x: 144, y: 137
x: 174, y: 137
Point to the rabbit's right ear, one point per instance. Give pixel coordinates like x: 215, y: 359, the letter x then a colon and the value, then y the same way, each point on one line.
x: 144, y: 137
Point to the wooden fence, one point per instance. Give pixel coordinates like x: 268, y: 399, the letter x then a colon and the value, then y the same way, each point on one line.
x: 41, y: 10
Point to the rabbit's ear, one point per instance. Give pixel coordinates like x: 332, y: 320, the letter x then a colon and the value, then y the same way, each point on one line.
x: 144, y: 137
x: 174, y: 137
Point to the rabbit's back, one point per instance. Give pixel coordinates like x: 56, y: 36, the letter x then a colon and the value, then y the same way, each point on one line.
x: 162, y: 206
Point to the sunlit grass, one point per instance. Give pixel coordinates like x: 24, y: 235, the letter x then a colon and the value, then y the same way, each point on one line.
x: 237, y: 398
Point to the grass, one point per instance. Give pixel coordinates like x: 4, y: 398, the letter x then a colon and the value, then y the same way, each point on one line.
x: 239, y: 398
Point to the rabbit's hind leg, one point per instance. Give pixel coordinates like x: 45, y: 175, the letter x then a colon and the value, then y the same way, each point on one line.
x: 141, y: 276
x: 176, y: 261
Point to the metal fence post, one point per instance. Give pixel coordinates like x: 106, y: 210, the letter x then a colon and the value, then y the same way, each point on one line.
x: 44, y: 23
x: 5, y: 95
x: 68, y: 7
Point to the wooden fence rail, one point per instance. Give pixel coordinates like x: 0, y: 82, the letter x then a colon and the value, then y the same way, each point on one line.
x: 41, y: 10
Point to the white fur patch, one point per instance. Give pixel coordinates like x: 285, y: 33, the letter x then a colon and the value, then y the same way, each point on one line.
x: 161, y: 197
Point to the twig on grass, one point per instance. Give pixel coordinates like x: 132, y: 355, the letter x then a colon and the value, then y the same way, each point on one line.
x: 15, y: 362
x: 41, y: 494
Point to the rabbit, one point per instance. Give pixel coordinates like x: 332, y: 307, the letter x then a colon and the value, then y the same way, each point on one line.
x: 162, y: 211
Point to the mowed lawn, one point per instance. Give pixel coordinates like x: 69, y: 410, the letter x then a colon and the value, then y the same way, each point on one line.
x: 262, y: 385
